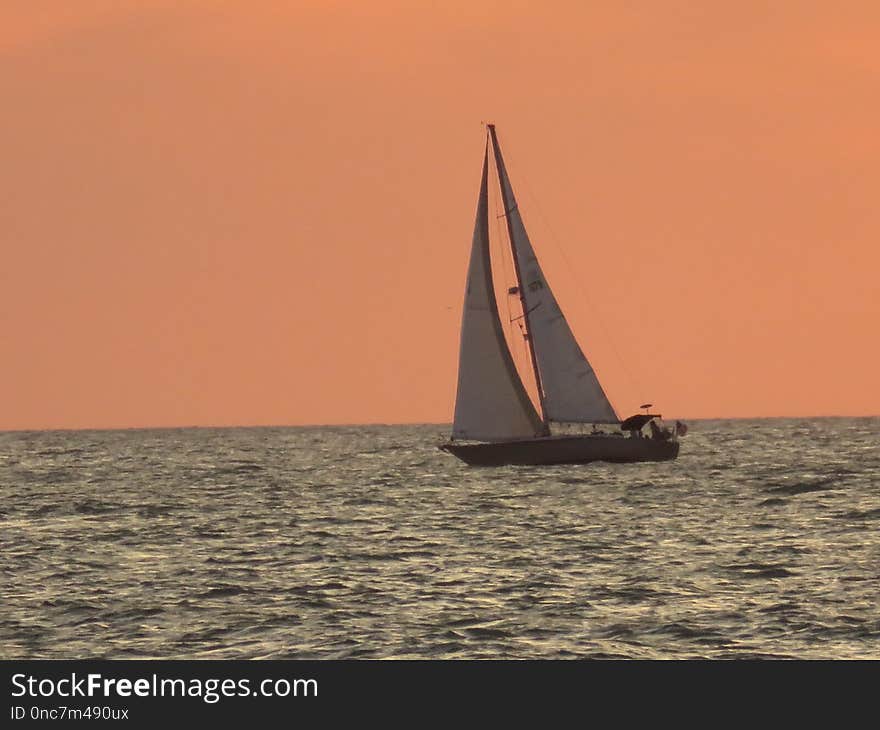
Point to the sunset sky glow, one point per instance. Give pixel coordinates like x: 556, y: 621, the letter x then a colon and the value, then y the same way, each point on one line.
x: 256, y: 213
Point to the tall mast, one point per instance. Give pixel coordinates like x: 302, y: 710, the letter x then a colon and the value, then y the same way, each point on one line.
x: 502, y: 171
x: 491, y: 402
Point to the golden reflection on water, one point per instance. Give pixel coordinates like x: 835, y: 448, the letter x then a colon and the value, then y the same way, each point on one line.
x: 760, y: 540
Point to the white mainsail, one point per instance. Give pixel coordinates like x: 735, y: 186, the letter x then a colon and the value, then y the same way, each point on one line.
x: 570, y: 389
x: 491, y: 403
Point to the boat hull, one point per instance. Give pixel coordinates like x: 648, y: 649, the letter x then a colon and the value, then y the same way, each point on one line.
x: 564, y: 450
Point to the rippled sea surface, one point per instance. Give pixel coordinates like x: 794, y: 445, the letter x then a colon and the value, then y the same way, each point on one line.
x: 761, y: 540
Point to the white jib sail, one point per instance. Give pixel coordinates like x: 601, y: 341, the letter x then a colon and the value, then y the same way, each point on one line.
x: 571, y: 389
x: 491, y: 403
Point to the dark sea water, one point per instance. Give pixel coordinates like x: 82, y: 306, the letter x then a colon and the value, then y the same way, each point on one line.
x: 761, y: 540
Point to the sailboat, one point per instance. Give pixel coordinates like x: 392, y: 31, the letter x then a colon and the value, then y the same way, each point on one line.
x: 496, y: 422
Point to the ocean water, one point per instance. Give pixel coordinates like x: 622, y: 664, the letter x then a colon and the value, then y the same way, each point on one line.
x: 761, y: 540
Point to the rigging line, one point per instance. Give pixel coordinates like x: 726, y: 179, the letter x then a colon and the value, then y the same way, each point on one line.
x: 528, y: 312
x: 499, y: 246
x: 555, y: 239
x: 516, y: 341
x: 530, y: 344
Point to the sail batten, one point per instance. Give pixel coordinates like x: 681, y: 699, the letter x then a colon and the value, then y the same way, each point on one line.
x: 491, y: 403
x: 569, y: 389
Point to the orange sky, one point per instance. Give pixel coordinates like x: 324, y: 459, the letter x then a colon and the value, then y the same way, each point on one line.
x: 222, y: 213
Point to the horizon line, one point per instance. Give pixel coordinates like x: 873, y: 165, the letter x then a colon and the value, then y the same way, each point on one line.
x: 388, y: 424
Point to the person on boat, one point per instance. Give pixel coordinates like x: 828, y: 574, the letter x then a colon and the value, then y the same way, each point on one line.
x: 660, y: 434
